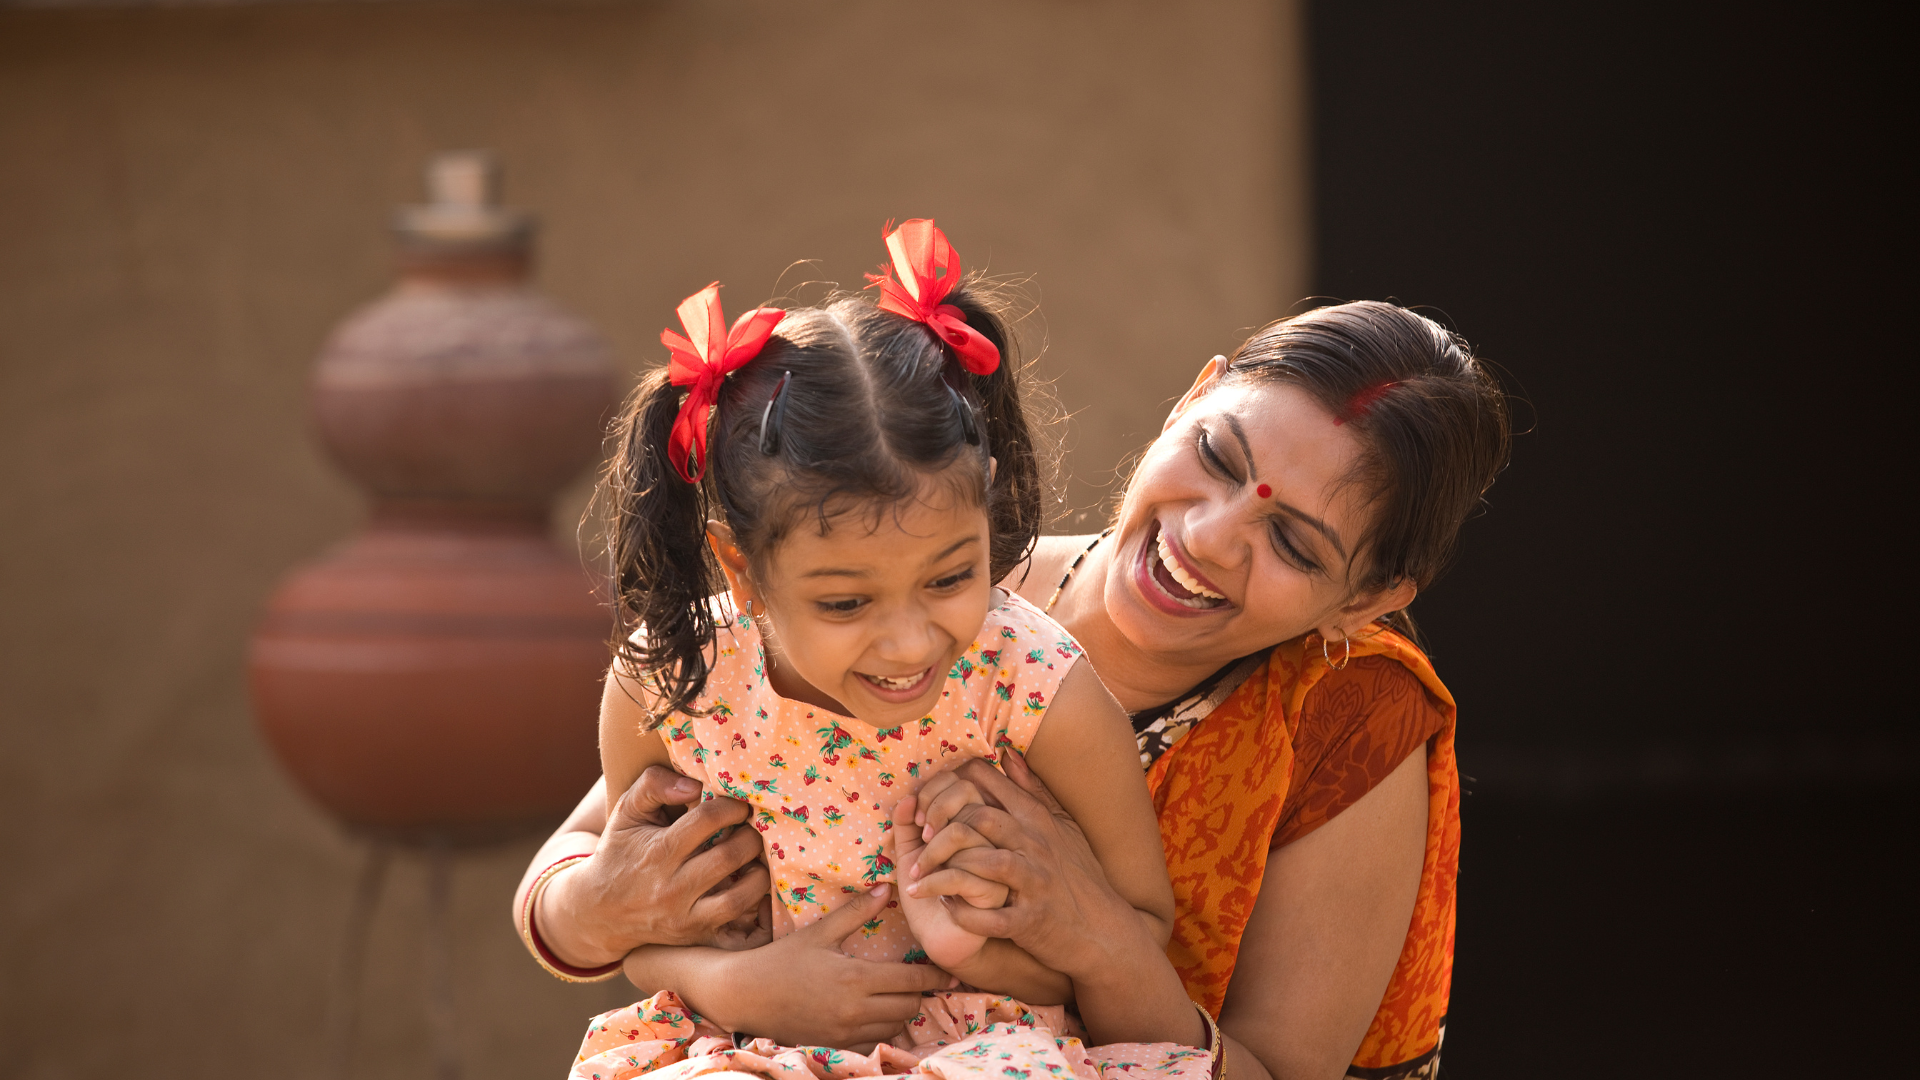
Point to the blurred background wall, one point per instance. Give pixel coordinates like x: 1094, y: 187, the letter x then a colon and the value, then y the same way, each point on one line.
x: 190, y: 197
x: 1678, y: 636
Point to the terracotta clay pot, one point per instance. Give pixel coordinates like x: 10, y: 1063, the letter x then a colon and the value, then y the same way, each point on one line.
x: 439, y: 673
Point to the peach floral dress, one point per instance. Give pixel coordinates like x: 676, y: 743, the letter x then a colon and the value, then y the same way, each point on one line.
x: 822, y: 788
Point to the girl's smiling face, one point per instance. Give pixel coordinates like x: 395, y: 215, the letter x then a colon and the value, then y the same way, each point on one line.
x: 1240, y: 527
x: 867, y: 619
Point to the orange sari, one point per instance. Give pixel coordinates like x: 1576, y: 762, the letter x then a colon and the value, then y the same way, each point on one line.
x: 1219, y: 793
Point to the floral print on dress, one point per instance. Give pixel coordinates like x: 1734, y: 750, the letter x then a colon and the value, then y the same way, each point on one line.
x: 822, y: 789
x: 958, y: 1036
x: 823, y: 786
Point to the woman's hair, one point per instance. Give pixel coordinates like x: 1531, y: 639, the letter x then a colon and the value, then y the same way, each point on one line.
x: 1431, y: 417
x: 874, y: 409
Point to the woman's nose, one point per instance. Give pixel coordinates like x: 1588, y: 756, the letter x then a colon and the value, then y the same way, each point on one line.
x: 1213, y: 529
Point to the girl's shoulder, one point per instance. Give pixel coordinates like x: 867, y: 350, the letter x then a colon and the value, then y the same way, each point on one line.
x: 1015, y: 620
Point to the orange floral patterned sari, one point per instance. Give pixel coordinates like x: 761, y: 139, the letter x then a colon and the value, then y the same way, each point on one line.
x: 1219, y: 793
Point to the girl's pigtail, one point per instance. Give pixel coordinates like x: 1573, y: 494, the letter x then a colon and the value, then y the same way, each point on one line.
x: 1016, y: 503
x: 663, y: 571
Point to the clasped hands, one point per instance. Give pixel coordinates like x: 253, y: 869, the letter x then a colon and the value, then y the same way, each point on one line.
x: 1016, y: 866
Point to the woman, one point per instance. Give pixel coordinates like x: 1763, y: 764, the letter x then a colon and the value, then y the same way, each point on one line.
x: 1243, y: 607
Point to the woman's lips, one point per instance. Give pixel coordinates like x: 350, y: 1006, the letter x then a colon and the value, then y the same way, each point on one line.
x: 1157, y: 581
x: 897, y: 689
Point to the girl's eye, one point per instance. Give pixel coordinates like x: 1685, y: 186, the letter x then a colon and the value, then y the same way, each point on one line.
x: 841, y: 607
x: 953, y: 581
x: 1292, y: 554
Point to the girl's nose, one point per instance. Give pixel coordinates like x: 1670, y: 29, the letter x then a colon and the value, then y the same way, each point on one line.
x: 908, y: 636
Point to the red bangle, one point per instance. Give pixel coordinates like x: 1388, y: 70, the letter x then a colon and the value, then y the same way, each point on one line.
x: 530, y: 932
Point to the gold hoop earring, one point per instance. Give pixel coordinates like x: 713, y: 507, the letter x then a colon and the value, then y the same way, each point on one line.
x: 1345, y: 659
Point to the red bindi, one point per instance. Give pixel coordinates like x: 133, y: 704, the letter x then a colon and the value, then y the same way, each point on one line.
x: 1264, y: 491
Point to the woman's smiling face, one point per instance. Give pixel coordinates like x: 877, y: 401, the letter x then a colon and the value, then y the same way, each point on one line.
x: 1239, y: 527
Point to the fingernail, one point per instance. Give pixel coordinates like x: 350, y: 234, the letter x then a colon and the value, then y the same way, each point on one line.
x: 913, y: 890
x: 880, y: 890
x: 686, y: 786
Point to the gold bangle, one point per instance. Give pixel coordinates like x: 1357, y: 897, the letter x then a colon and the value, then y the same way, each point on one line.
x: 530, y: 934
x: 1217, y: 1045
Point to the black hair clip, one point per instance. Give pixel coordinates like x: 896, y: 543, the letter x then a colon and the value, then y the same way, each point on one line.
x: 969, y: 425
x: 770, y: 417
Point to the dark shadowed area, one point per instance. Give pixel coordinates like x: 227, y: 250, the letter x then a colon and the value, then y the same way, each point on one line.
x: 1675, y: 636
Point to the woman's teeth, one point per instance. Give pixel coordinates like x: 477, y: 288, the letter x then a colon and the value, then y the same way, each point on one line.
x: 1179, y: 574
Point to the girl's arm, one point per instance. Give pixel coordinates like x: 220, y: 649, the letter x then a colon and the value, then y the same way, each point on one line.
x: 1085, y: 752
x: 625, y: 750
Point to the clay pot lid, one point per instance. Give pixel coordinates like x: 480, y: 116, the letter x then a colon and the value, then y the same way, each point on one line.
x: 463, y: 215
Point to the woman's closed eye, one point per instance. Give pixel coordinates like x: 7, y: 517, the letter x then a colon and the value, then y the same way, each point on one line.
x: 1209, y: 457
x: 1292, y: 554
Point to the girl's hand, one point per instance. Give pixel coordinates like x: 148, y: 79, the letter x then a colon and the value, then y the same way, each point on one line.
x: 1063, y: 909
x: 929, y: 914
x: 939, y: 799
x: 802, y: 990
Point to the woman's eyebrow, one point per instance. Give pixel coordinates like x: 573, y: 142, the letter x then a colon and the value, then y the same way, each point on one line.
x: 1246, y: 448
x: 1316, y: 524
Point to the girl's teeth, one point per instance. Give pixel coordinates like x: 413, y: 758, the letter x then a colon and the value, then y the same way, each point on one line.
x: 1179, y: 572
x: 895, y: 684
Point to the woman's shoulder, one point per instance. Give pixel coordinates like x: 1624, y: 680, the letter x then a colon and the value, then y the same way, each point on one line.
x: 1355, y: 727
x: 1036, y: 576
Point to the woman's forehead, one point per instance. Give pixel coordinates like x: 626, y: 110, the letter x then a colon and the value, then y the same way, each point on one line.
x: 1293, y: 444
x: 1280, y: 420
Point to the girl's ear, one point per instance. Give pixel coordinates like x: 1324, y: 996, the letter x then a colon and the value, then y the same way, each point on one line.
x: 733, y: 561
x: 1366, y: 608
x: 1209, y: 375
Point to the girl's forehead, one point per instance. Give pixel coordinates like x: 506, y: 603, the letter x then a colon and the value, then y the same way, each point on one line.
x: 880, y: 540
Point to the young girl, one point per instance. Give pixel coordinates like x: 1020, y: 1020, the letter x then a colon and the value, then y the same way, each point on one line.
x: 816, y: 633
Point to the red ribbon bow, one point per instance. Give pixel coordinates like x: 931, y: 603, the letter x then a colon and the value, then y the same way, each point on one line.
x: 701, y: 361
x: 929, y: 268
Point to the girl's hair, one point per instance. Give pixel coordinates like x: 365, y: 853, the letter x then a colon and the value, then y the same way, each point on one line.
x: 1432, y: 418
x: 875, y: 408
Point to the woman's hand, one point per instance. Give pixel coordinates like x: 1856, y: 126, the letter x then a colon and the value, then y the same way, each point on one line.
x: 802, y: 990
x: 653, y: 880
x: 1062, y: 910
x: 1017, y: 838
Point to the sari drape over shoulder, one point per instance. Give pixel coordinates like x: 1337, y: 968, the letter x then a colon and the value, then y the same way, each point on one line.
x: 1221, y: 790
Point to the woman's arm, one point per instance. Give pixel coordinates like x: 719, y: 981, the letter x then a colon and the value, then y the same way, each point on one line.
x: 1325, y: 935
x: 1329, y: 925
